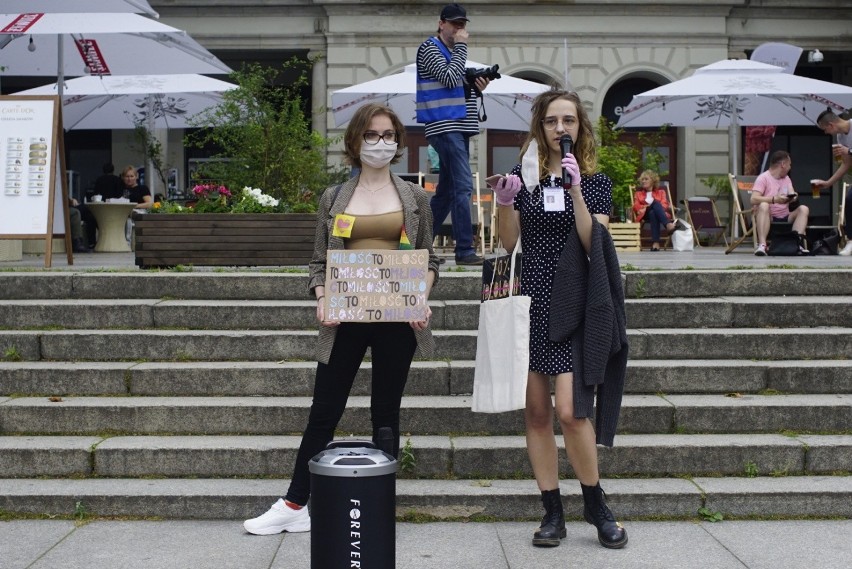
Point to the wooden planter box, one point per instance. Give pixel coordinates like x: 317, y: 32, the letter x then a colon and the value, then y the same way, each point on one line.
x: 227, y: 239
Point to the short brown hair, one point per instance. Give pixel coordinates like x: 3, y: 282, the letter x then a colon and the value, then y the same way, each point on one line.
x: 778, y: 156
x: 360, y: 123
x: 825, y: 118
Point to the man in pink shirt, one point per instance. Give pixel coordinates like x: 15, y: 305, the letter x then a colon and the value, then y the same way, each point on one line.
x: 771, y: 197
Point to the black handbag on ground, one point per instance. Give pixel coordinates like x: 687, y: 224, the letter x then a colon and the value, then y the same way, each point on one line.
x: 784, y: 244
x: 827, y: 245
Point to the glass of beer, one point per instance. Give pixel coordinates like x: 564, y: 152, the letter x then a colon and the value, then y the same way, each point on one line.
x: 837, y: 156
x: 815, y: 189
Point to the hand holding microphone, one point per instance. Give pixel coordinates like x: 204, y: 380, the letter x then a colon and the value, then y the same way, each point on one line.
x: 570, y: 168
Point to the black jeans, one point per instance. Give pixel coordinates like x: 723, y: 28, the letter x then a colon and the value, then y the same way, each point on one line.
x: 392, y: 345
x: 847, y: 215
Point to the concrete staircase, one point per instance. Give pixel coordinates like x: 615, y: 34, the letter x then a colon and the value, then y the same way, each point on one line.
x: 183, y: 395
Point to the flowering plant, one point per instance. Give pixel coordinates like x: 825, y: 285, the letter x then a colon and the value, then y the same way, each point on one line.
x: 212, y: 198
x: 253, y: 200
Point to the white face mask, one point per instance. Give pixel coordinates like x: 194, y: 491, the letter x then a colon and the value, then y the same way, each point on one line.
x: 378, y: 155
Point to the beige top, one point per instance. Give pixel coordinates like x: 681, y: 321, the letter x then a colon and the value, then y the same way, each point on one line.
x: 380, y: 231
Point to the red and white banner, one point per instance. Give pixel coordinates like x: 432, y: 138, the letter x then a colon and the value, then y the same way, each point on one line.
x: 21, y: 24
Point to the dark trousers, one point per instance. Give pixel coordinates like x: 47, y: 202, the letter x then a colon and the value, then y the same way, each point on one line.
x: 91, y: 226
x: 847, y: 215
x: 656, y: 216
x: 392, y: 346
x: 455, y: 187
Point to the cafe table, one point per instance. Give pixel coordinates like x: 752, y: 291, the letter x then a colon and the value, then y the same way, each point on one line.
x: 111, y: 218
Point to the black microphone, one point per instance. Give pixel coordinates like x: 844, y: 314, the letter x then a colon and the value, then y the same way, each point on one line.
x: 565, y: 145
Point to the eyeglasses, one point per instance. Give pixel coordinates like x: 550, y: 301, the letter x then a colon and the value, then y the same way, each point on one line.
x: 372, y: 137
x: 550, y: 123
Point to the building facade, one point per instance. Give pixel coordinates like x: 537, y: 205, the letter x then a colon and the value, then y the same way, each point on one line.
x: 611, y: 50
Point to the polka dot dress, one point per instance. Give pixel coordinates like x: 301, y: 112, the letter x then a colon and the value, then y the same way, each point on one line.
x: 543, y: 235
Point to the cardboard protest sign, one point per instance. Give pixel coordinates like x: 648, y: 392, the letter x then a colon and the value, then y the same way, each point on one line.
x: 376, y: 285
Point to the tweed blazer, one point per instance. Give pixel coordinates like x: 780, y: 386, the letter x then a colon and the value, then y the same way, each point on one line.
x: 587, y: 305
x: 417, y: 215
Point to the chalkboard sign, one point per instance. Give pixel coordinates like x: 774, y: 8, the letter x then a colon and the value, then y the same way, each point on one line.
x: 376, y: 285
x: 34, y: 199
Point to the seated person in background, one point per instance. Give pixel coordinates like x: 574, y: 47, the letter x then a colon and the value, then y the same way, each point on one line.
x: 108, y: 184
x: 651, y: 204
x: 76, y: 228
x: 771, y: 197
x: 133, y: 191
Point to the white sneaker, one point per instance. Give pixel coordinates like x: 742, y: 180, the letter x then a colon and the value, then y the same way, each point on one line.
x: 280, y: 517
x: 760, y: 251
x: 846, y: 251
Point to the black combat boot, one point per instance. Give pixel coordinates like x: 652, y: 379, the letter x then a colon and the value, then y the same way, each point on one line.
x: 610, y: 532
x: 553, y: 523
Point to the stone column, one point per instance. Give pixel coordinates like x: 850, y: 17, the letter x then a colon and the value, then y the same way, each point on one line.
x: 319, y: 87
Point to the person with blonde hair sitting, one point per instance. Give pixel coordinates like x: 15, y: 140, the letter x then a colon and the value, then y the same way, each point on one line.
x: 651, y: 204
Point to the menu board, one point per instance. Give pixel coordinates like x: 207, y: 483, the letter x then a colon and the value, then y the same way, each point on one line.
x: 33, y: 202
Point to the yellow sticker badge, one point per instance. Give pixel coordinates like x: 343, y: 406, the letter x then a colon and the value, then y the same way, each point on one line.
x: 343, y: 225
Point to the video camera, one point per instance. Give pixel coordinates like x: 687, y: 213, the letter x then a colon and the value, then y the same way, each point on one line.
x: 471, y: 74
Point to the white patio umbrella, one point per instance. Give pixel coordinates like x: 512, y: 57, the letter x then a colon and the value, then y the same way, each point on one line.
x: 508, y: 100
x: 120, y: 102
x: 734, y: 93
x: 67, y: 6
x: 75, y: 44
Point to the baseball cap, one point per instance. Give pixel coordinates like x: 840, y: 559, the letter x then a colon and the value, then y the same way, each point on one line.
x: 454, y: 12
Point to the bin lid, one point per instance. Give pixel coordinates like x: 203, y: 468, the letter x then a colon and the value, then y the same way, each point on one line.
x: 353, y: 462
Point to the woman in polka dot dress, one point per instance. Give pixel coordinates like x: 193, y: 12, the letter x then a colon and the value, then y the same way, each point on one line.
x: 543, y: 216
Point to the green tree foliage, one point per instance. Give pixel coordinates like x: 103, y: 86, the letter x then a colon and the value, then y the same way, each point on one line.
x: 263, y: 138
x: 621, y: 161
x: 618, y: 160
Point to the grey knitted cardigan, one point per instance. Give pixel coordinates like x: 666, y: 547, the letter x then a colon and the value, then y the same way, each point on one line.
x: 587, y: 306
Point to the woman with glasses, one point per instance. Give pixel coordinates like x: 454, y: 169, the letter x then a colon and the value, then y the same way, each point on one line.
x: 379, y: 211
x: 651, y: 204
x: 551, y: 216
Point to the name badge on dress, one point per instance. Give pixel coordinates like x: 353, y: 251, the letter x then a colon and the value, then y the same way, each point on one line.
x: 554, y: 199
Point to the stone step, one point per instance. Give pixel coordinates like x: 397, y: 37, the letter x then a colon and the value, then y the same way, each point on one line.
x: 493, y: 457
x: 99, y: 314
x: 272, y: 284
x: 794, y: 496
x: 435, y: 377
x: 276, y: 345
x: 421, y: 415
x: 285, y: 284
x: 734, y: 282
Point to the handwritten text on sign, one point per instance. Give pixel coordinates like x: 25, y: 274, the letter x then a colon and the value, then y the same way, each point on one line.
x: 376, y: 285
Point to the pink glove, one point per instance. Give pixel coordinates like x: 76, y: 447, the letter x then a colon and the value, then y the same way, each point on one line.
x: 506, y: 189
x: 570, y: 163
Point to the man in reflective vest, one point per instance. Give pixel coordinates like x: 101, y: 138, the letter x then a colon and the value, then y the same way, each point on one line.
x: 448, y: 108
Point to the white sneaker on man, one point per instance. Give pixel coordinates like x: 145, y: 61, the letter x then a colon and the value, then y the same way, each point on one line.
x: 846, y: 251
x: 280, y: 517
x: 760, y: 250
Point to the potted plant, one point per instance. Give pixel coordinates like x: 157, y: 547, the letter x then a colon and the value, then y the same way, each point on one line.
x: 264, y: 146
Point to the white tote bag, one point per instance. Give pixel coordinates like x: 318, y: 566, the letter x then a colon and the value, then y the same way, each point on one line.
x: 502, y: 351
x: 682, y: 238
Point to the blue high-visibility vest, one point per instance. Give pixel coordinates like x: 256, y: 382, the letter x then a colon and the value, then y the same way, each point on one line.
x: 435, y: 102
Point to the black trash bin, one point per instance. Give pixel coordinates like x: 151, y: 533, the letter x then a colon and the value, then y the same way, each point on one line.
x: 353, y: 507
